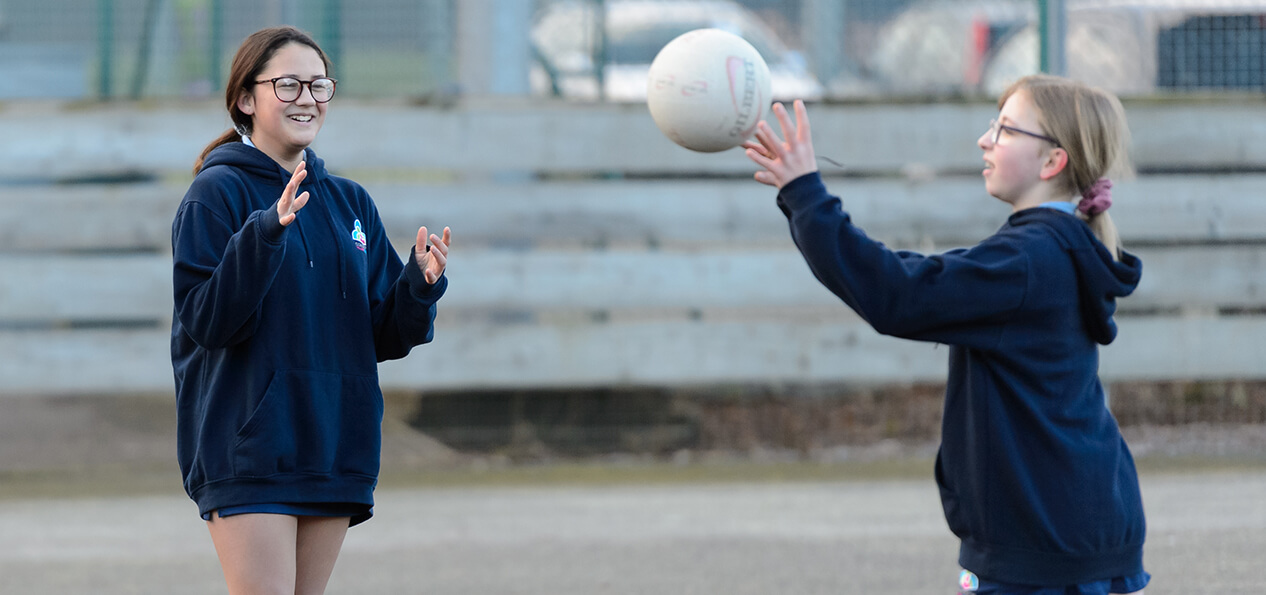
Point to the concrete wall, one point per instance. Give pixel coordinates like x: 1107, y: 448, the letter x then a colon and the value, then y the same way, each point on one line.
x: 590, y: 251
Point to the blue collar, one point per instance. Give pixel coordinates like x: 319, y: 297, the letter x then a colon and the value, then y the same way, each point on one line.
x: 1060, y: 205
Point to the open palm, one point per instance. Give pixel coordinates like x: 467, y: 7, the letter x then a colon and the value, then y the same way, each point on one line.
x: 432, y: 258
x: 783, y: 161
x: 289, y: 205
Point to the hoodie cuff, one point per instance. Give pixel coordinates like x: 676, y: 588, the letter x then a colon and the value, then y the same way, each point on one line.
x: 802, y: 190
x: 270, y: 227
x: 418, y: 287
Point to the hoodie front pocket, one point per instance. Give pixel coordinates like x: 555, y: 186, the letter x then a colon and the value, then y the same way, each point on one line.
x: 954, y: 514
x: 312, y: 422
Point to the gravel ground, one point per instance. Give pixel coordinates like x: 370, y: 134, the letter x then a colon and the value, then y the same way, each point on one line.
x: 1207, y: 533
x: 90, y: 503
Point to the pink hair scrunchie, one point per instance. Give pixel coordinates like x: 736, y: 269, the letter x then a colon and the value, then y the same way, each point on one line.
x: 1097, y: 198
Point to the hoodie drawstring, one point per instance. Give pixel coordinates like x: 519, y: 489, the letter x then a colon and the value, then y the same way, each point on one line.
x: 311, y: 185
x: 342, y: 257
x: 303, y: 238
x: 285, y: 177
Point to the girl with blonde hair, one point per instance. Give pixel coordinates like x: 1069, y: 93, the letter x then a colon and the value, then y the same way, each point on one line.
x: 1035, y: 478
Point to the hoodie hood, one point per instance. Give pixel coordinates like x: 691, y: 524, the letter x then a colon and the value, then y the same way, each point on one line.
x: 256, y: 163
x: 1100, y: 278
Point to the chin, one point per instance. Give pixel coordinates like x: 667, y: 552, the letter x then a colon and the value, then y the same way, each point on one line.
x: 302, y: 142
x: 1000, y: 197
x: 302, y: 137
x: 991, y: 192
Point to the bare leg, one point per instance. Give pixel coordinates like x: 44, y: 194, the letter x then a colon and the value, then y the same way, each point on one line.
x: 319, y: 542
x: 257, y: 552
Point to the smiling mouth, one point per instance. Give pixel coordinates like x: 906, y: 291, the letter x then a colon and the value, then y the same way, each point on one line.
x: 302, y: 118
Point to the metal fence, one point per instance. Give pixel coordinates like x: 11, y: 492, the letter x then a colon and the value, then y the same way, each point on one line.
x: 183, y: 48
x: 818, y: 49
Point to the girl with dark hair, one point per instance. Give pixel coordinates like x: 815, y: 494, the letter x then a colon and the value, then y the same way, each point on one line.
x: 287, y: 295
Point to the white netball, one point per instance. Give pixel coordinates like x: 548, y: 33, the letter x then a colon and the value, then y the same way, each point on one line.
x: 707, y: 89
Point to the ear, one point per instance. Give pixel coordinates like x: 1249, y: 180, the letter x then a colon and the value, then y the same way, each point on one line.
x: 246, y: 103
x: 1056, y: 161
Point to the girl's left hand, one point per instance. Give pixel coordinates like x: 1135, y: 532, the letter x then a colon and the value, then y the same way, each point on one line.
x: 433, y: 258
x: 783, y: 161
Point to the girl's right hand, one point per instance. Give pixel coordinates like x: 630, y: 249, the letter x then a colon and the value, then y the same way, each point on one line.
x: 783, y: 161
x: 289, y: 205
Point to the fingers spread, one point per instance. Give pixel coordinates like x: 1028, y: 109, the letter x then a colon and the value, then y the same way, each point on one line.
x: 299, y: 202
x: 773, y: 145
x: 802, y: 122
x: 784, y: 121
x: 420, y: 243
x: 759, y: 158
x: 756, y: 146
x: 439, y: 245
x: 295, y: 180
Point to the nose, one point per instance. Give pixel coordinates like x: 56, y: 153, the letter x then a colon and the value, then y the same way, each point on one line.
x: 985, y: 142
x: 305, y: 95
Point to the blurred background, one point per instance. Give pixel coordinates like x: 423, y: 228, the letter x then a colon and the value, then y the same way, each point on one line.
x: 598, y: 50
x: 614, y: 295
x: 622, y: 311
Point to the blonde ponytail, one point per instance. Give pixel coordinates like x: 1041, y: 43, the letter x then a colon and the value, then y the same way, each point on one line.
x: 1089, y: 124
x: 1106, y: 231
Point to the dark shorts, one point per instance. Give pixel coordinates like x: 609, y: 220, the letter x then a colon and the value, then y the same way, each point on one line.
x: 970, y: 584
x: 359, y: 513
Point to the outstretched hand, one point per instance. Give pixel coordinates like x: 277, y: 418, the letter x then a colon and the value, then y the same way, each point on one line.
x: 783, y: 161
x: 289, y: 205
x: 432, y: 259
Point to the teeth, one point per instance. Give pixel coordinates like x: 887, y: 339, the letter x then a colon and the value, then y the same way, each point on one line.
x: 301, y: 118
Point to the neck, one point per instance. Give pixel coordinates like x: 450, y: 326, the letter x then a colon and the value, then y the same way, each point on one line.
x: 291, y: 163
x: 1037, y: 196
x: 287, y: 162
x: 286, y: 158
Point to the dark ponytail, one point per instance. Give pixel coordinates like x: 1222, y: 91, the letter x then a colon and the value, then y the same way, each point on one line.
x: 229, y: 136
x: 251, y: 59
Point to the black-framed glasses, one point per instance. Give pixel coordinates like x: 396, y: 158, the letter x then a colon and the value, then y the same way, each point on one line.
x: 288, y: 88
x: 996, y: 128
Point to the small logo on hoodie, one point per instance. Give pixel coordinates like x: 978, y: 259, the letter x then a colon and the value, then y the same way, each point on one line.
x: 358, y: 236
x: 967, y: 582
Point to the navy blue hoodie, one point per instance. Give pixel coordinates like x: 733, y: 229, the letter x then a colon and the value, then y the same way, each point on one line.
x: 278, y: 331
x: 1035, y: 478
